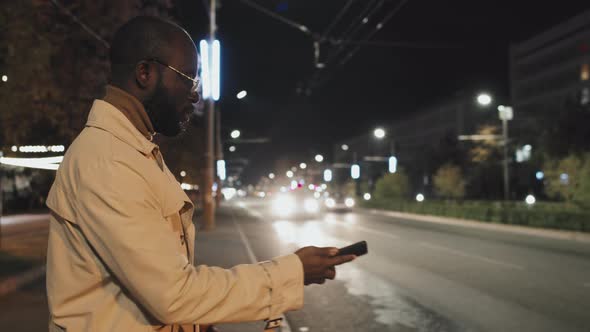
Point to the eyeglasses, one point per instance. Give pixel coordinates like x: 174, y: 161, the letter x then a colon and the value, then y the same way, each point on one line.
x: 196, y: 82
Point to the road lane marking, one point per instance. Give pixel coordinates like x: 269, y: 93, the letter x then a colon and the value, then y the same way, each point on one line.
x: 372, y: 231
x: 478, y: 257
x: 285, y: 327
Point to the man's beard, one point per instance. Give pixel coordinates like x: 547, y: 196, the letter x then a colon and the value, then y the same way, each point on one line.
x: 162, y: 112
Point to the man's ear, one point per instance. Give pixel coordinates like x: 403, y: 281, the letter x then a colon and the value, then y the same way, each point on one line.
x: 144, y: 75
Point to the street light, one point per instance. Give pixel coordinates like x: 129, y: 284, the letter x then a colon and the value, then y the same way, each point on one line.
x: 4, y: 78
x: 182, y: 173
x: 392, y: 164
x: 355, y: 171
x: 271, y: 176
x: 327, y: 175
x: 242, y: 94
x: 289, y: 174
x: 379, y: 133
x: 484, y: 99
x: 232, y: 149
x: 235, y: 134
x: 319, y: 158
x: 303, y: 165
x: 344, y: 147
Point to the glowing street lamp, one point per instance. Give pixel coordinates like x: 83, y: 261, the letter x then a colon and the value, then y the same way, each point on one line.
x: 379, y: 133
x: 484, y: 99
x: 221, y: 169
x: 303, y: 165
x: 392, y: 164
x: 319, y: 158
x: 328, y: 175
x: 242, y: 94
x: 235, y: 134
x: 4, y: 78
x: 355, y: 171
x: 290, y: 174
x: 344, y: 147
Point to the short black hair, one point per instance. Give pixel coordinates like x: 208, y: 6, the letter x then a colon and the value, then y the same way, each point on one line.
x: 141, y: 38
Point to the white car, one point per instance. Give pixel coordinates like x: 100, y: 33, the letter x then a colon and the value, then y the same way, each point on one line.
x: 339, y: 202
x: 296, y: 203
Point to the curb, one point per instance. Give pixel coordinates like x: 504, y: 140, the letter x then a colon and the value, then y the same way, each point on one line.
x: 514, y: 229
x: 15, y: 282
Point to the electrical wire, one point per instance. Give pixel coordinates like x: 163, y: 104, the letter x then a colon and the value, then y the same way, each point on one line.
x: 378, y: 27
x: 278, y: 17
x: 398, y: 44
x: 80, y: 23
x: 339, y: 16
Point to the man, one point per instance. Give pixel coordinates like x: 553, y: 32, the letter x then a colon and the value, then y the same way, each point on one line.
x: 121, y: 242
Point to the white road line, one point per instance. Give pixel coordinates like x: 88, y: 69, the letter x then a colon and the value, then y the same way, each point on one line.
x: 481, y: 258
x: 285, y: 327
x: 372, y: 231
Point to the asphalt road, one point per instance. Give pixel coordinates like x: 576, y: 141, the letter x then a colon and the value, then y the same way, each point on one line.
x: 420, y: 277
x: 416, y: 277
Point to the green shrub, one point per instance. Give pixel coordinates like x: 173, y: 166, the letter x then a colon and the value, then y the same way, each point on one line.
x: 448, y: 182
x: 543, y: 215
x: 392, y: 186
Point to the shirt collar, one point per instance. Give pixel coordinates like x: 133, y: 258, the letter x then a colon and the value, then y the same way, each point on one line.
x: 107, y: 117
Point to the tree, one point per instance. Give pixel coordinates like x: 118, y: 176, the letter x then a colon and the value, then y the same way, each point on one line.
x: 55, y: 68
x: 393, y: 186
x: 448, y: 182
x: 569, y: 179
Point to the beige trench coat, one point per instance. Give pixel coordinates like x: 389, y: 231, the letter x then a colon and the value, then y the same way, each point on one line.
x: 121, y: 245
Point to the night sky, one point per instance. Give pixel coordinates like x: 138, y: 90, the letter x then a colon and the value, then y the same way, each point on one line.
x: 462, y: 45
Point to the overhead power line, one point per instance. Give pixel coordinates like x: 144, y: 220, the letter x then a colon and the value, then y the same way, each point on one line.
x: 398, y: 44
x: 327, y: 31
x: 378, y: 27
x: 278, y: 17
x: 349, y: 33
x: 81, y: 24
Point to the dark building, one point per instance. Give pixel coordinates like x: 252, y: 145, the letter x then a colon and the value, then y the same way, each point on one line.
x: 550, y: 76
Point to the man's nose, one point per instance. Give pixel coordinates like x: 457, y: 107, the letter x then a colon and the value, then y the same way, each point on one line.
x: 194, y: 97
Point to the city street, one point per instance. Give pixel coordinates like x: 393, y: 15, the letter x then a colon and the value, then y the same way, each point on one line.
x: 420, y: 278
x: 416, y: 277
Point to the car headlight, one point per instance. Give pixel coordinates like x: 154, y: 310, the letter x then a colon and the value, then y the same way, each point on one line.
x: 330, y: 203
x: 311, y: 205
x: 283, y: 205
x: 349, y: 202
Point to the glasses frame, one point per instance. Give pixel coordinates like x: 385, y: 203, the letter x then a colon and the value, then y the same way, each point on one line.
x: 196, y: 81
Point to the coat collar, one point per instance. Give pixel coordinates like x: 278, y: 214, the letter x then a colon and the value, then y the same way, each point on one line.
x: 107, y: 117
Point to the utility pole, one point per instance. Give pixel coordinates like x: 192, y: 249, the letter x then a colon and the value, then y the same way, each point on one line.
x: 506, y: 114
x: 1, y: 200
x: 208, y: 202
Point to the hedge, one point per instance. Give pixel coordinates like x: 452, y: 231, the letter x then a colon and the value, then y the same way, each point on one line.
x: 542, y: 215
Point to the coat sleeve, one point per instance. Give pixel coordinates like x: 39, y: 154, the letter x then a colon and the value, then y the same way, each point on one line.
x: 121, y: 218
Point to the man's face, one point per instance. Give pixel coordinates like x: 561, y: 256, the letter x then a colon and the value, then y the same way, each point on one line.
x: 172, y: 102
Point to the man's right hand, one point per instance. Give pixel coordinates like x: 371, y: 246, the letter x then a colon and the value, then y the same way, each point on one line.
x: 319, y: 263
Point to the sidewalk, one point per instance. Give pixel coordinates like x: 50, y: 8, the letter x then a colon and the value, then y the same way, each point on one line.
x: 23, y: 246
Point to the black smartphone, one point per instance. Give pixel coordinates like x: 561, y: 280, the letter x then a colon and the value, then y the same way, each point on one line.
x: 358, y: 249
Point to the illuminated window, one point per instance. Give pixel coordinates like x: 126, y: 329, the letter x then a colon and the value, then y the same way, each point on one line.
x: 585, y: 72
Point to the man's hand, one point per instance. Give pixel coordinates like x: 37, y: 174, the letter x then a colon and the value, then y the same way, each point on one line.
x: 319, y: 263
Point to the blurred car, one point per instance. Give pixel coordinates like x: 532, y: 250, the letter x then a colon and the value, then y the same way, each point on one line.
x: 339, y: 202
x: 295, y: 203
